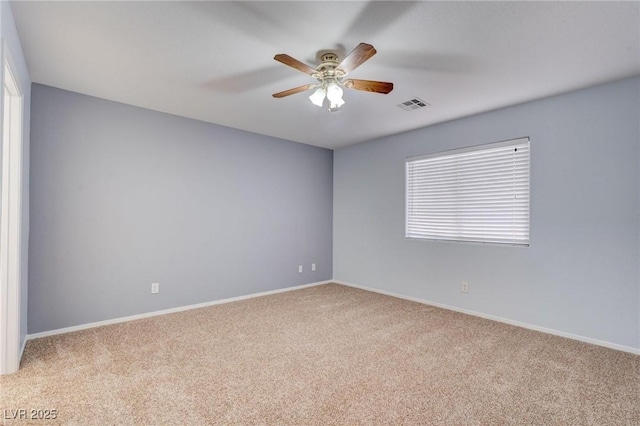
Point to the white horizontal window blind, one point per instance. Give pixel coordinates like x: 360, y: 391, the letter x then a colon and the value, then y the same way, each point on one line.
x: 477, y: 194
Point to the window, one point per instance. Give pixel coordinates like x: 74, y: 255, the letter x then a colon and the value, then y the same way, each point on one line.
x: 476, y: 194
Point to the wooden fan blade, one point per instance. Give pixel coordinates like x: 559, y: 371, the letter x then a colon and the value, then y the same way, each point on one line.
x: 362, y: 53
x: 369, y: 85
x: 294, y: 90
x: 294, y: 63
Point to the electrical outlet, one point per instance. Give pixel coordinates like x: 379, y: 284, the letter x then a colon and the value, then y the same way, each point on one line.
x: 465, y: 287
x: 155, y: 288
x: 313, y: 267
x: 300, y: 268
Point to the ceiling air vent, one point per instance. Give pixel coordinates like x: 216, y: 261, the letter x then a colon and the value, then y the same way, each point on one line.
x: 411, y: 104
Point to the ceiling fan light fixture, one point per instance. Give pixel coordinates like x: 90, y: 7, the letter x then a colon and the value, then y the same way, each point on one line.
x: 317, y: 98
x: 334, y: 94
x: 335, y: 106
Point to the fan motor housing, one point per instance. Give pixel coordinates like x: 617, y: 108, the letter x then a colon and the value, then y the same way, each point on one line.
x: 328, y: 68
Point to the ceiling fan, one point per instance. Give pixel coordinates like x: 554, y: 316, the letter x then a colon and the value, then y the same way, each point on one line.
x: 331, y: 77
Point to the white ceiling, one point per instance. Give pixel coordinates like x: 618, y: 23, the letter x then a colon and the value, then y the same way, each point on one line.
x: 213, y: 61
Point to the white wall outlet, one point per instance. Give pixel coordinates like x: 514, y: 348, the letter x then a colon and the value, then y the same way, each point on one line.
x: 313, y: 267
x: 465, y: 287
x: 155, y: 288
x: 299, y: 268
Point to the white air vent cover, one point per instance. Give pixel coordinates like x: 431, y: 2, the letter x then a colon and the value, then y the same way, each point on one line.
x: 411, y: 104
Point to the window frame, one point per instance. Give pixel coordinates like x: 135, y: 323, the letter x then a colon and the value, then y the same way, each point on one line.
x: 453, y: 152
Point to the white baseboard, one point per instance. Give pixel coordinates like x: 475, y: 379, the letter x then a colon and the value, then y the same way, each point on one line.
x: 166, y: 311
x: 499, y: 319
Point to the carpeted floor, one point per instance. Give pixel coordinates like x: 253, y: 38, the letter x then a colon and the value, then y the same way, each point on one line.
x: 321, y: 356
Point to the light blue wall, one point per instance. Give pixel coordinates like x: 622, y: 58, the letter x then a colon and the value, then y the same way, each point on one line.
x: 12, y: 43
x: 581, y: 274
x: 122, y: 197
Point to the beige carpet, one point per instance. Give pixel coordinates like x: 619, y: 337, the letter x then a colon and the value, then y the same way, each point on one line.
x: 321, y: 356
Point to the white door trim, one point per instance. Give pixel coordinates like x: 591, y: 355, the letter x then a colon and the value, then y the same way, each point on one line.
x: 10, y: 215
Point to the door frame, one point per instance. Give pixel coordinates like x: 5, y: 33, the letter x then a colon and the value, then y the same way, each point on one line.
x: 11, y: 198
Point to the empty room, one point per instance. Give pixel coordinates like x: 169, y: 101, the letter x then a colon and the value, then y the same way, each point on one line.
x: 320, y: 213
